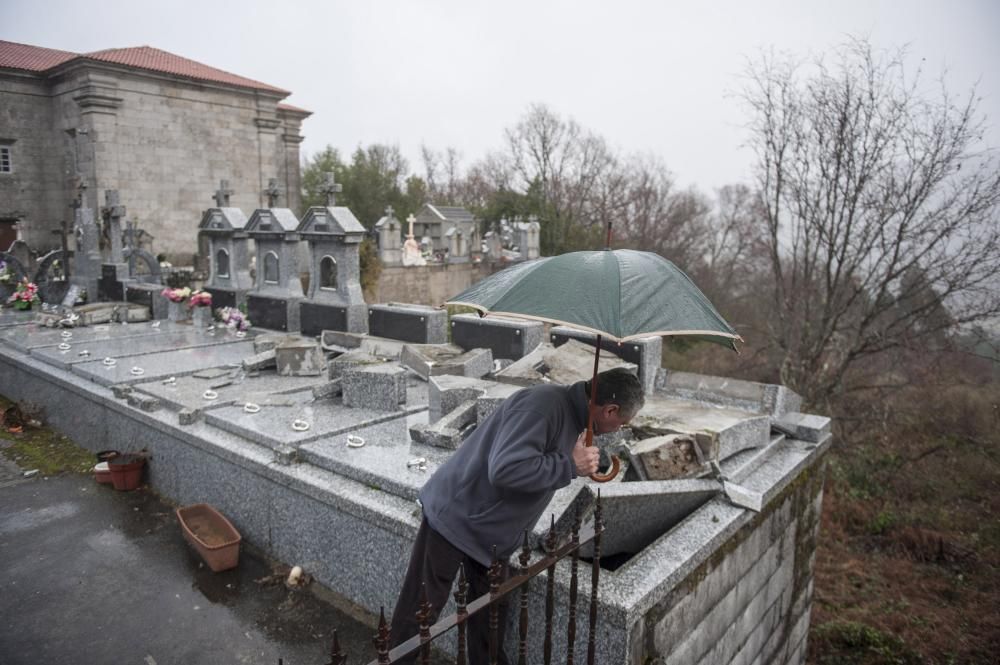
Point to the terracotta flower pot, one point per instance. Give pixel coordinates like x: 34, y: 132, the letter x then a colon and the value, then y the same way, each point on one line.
x: 212, y: 535
x: 126, y: 471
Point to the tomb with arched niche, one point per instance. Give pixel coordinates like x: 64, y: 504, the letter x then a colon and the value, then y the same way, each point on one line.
x: 273, y: 302
x: 224, y: 228
x: 334, y: 300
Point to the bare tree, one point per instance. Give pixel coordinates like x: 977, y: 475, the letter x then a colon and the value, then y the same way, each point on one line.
x: 881, y: 210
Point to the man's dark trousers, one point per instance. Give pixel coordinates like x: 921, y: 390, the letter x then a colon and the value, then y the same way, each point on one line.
x: 434, y: 562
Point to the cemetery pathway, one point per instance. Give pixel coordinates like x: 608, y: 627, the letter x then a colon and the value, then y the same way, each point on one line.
x: 91, y: 575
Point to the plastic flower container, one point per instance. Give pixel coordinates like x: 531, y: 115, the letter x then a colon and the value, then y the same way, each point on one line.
x: 126, y: 471
x: 216, y: 540
x: 102, y: 473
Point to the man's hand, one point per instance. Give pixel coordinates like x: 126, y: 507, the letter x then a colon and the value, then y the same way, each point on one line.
x: 585, y: 457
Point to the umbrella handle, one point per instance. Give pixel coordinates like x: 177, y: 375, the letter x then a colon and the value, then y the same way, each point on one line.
x: 616, y: 466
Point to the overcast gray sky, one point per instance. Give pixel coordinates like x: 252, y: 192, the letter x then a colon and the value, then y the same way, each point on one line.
x: 648, y: 76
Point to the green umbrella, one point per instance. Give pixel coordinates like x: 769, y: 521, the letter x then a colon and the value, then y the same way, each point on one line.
x: 620, y: 294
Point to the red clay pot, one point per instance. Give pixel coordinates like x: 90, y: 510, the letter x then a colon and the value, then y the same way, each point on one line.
x: 126, y: 471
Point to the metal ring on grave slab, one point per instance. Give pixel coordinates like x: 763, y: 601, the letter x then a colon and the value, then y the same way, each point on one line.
x: 64, y: 347
x: 170, y: 380
x: 210, y: 394
x: 300, y: 425
x: 355, y: 441
x: 110, y: 362
x: 137, y: 371
x: 240, y: 334
x: 66, y: 334
x: 85, y: 352
x: 154, y: 324
x: 250, y: 407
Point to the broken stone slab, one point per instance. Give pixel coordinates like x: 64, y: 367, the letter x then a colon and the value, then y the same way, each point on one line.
x: 299, y: 357
x: 377, y: 387
x: 435, y: 359
x: 121, y: 390
x: 350, y: 360
x: 489, y: 401
x: 285, y: 455
x: 449, y: 431
x: 645, y: 353
x: 445, y: 392
x: 188, y: 416
x: 269, y: 341
x: 668, y: 457
x: 803, y: 426
x: 260, y: 361
x: 142, y: 402
x: 336, y: 340
x: 329, y: 389
x: 565, y: 365
x: 748, y: 395
x: 95, y: 314
x: 211, y: 373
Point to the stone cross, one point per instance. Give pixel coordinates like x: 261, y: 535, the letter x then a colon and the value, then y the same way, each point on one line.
x: 81, y: 189
x: 130, y: 241
x: 330, y: 188
x: 389, y: 212
x: 113, y: 212
x: 273, y: 192
x: 410, y: 220
x: 222, y: 194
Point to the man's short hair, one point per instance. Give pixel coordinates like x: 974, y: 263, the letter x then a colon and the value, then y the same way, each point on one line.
x: 619, y: 386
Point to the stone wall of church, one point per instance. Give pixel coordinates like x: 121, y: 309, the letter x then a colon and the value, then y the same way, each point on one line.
x: 163, y: 142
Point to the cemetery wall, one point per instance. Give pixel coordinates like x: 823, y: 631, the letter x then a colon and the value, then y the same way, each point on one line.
x: 163, y: 141
x: 430, y: 284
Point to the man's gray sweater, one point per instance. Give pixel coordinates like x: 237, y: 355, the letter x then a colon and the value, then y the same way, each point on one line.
x: 498, y: 483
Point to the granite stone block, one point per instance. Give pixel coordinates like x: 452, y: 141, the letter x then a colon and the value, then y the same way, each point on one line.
x: 262, y: 360
x: 188, y: 416
x: 351, y: 360
x: 509, y: 339
x: 802, y: 426
x: 494, y: 396
x: 434, y: 359
x: 379, y: 387
x: 408, y: 323
x: 338, y: 338
x: 143, y: 402
x: 299, y: 357
x: 446, y: 392
x: 646, y: 354
x: 449, y: 431
x: 570, y: 362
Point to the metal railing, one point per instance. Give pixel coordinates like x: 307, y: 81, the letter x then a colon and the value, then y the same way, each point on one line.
x: 490, y: 602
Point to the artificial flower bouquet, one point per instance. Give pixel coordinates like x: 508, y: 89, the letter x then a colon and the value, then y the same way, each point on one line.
x: 176, y: 295
x: 200, y: 299
x: 25, y: 295
x: 233, y: 318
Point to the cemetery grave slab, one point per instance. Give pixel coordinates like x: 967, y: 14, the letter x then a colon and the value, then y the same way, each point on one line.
x: 124, y: 347
x: 34, y: 336
x: 164, y: 363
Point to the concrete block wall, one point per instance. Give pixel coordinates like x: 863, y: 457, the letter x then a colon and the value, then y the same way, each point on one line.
x: 750, y: 602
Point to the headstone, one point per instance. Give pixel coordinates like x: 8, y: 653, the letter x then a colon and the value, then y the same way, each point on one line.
x: 409, y: 323
x: 87, y: 259
x: 510, y: 339
x: 412, y: 256
x: 528, y: 239
x: 274, y: 303
x: 224, y: 228
x: 494, y: 246
x: 458, y: 249
x: 646, y: 353
x: 335, y: 300
x: 390, y: 244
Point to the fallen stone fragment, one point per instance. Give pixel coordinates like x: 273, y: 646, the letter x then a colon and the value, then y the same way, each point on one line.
x: 260, y: 361
x: 299, y: 357
x: 450, y: 431
x: 188, y: 416
x: 565, y: 365
x: 142, y: 402
x: 668, y: 457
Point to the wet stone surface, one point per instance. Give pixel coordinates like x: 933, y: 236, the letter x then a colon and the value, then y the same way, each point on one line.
x: 90, y: 575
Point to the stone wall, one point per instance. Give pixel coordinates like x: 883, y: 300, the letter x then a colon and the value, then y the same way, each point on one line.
x: 431, y: 284
x: 164, y: 142
x: 750, y: 602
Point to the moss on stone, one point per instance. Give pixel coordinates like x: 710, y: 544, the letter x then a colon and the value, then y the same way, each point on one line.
x: 44, y: 449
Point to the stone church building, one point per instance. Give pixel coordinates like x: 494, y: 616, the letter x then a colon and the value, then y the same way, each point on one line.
x: 162, y: 129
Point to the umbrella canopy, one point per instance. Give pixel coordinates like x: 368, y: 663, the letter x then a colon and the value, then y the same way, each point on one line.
x: 621, y: 294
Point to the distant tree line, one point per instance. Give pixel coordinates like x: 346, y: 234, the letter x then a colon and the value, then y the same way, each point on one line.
x: 870, y: 228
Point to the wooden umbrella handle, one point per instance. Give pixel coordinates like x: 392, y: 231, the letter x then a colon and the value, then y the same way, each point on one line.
x: 616, y: 464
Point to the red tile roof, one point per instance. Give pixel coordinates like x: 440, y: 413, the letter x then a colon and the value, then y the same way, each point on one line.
x: 288, y: 107
x: 38, y: 59
x: 31, y: 58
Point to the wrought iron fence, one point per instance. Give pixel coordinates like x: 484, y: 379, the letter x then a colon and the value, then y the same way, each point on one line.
x: 489, y: 602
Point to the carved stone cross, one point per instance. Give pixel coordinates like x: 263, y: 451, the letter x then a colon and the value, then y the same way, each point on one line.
x: 410, y: 220
x: 113, y: 212
x: 222, y: 194
x: 330, y: 188
x: 273, y: 192
x: 389, y: 212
